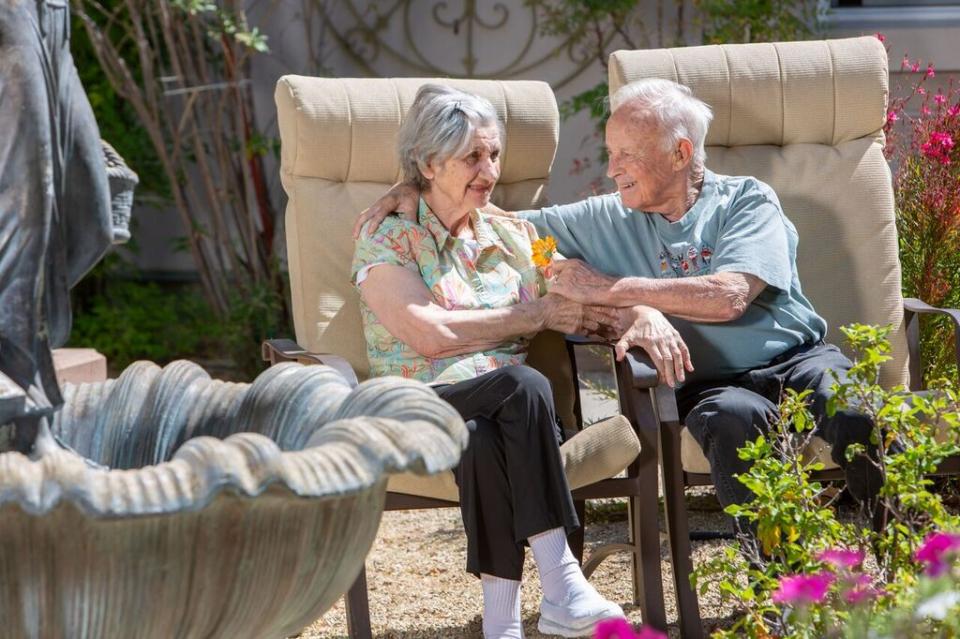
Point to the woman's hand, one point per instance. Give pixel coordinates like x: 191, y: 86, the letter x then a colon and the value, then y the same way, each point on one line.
x: 647, y: 328
x: 563, y: 315
x: 403, y: 197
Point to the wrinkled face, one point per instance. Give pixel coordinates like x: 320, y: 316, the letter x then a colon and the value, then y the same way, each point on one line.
x: 639, y: 163
x: 466, y: 181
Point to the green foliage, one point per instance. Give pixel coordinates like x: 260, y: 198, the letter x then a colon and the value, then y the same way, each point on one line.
x: 116, y: 118
x: 795, y: 519
x: 129, y: 320
x: 186, y: 123
x: 726, y: 21
x: 225, y: 23
x: 258, y: 315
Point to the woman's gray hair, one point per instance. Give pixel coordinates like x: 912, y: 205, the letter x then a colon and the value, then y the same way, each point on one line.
x: 439, y: 126
x: 680, y: 114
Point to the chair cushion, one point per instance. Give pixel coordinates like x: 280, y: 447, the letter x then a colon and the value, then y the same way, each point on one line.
x: 694, y: 462
x: 597, y: 452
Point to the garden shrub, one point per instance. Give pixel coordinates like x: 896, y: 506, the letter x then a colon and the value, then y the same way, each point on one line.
x: 809, y: 573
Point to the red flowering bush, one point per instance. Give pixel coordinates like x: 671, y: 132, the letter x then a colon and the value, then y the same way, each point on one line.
x: 923, y: 146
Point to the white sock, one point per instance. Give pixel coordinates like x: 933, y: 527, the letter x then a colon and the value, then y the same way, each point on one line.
x: 560, y: 574
x: 501, y: 608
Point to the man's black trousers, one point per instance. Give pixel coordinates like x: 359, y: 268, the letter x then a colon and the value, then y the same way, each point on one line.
x: 723, y: 416
x: 511, y: 477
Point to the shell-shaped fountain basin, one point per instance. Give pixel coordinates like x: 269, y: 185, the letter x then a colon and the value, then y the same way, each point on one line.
x: 213, y: 509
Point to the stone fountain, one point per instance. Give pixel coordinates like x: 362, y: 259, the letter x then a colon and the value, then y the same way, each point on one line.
x: 163, y: 503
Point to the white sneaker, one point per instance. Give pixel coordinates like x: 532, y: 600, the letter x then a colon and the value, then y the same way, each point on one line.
x: 571, y: 620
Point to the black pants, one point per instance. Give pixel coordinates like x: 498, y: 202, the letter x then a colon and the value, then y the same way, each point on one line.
x: 511, y: 477
x: 723, y: 416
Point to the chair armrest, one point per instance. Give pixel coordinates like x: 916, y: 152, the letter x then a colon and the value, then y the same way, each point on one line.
x: 913, y: 308
x: 637, y: 363
x: 642, y: 370
x: 287, y: 350
x: 583, y: 340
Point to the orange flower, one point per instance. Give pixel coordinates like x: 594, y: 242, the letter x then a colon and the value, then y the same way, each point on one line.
x: 543, y: 250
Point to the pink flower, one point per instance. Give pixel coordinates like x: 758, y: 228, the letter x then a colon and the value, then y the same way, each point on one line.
x: 924, y: 110
x: 841, y: 558
x: 954, y: 111
x: 621, y: 629
x: 862, y: 590
x: 938, y: 147
x: 905, y: 63
x: 936, y: 549
x: 803, y: 589
x: 940, y: 98
x: 930, y: 72
x: 879, y: 36
x: 921, y: 91
x: 915, y: 67
x: 892, y: 116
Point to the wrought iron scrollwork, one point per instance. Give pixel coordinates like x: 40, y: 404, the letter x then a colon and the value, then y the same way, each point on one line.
x: 361, y: 32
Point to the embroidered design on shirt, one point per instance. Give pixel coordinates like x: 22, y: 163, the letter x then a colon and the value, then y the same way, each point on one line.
x: 692, y: 261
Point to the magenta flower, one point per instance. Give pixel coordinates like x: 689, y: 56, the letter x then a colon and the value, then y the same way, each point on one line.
x: 915, y: 68
x: 930, y: 72
x: 803, y: 589
x: 921, y: 91
x: 862, y: 590
x: 940, y: 98
x: 935, y: 552
x: 954, y: 111
x: 938, y: 147
x: 892, y: 116
x: 621, y: 629
x: 841, y: 558
x: 879, y: 36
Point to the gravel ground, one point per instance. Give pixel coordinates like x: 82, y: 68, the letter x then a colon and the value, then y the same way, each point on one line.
x: 419, y: 589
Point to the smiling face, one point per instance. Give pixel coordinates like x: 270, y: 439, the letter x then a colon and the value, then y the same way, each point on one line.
x: 648, y: 175
x: 465, y: 181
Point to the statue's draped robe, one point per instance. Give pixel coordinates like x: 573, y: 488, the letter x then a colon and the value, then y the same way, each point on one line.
x: 54, y: 194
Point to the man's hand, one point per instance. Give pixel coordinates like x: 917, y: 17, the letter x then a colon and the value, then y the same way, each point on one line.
x: 647, y: 328
x: 402, y: 197
x: 566, y: 316
x: 577, y: 281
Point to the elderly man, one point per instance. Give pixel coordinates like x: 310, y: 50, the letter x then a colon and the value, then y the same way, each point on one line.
x: 703, y: 268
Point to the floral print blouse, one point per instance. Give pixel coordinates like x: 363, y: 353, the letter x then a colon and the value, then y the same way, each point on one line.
x: 493, y: 271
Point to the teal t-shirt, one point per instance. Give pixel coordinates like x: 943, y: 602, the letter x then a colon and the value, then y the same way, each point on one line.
x: 736, y: 225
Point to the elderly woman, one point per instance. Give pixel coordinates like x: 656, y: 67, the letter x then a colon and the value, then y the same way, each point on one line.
x: 452, y: 300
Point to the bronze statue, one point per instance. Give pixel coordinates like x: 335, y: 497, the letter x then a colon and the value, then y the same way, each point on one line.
x: 54, y: 205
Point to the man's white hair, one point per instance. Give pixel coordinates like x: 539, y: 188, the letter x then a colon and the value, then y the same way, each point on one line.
x: 680, y: 114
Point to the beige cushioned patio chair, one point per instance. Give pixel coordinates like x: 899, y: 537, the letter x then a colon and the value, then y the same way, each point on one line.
x: 338, y: 139
x: 807, y: 119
